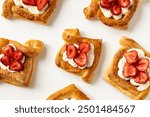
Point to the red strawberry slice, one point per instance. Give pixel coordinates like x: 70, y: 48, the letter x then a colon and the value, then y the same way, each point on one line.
x: 18, y: 55
x: 124, y: 3
x: 81, y: 59
x: 29, y: 2
x: 84, y: 47
x: 142, y: 64
x: 41, y: 4
x: 129, y: 70
x: 105, y: 4
x: 16, y: 66
x: 6, y: 60
x: 8, y: 51
x: 116, y: 9
x: 131, y: 56
x: 71, y: 51
x: 141, y: 78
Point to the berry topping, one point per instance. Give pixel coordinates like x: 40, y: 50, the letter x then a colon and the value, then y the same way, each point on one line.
x: 8, y: 51
x: 5, y: 60
x: 124, y: 3
x: 16, y: 66
x: 29, y: 2
x: 84, y: 47
x: 116, y: 9
x: 129, y: 70
x: 141, y: 78
x: 41, y: 4
x: 18, y: 55
x: 105, y: 4
x: 142, y: 64
x: 81, y: 59
x: 71, y: 51
x: 131, y: 56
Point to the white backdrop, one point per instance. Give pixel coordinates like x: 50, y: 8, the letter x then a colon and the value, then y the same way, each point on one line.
x: 69, y: 14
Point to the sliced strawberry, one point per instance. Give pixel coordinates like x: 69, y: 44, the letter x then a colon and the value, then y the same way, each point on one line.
x: 18, y: 55
x: 112, y: 1
x: 129, y: 70
x: 16, y: 66
x: 116, y: 9
x: 141, y: 78
x: 84, y: 47
x: 81, y: 59
x: 6, y: 60
x: 124, y: 3
x: 8, y: 51
x: 131, y: 56
x: 29, y: 2
x: 41, y: 4
x: 71, y: 51
x: 105, y: 4
x: 142, y: 64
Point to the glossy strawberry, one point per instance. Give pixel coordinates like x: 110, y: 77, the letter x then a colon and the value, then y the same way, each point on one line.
x: 129, y: 70
x: 131, y: 56
x: 16, y: 66
x: 124, y: 3
x: 116, y: 9
x: 105, y: 4
x: 8, y: 51
x: 142, y: 64
x: 29, y: 2
x: 71, y: 51
x: 141, y: 78
x: 5, y: 60
x: 18, y: 55
x: 81, y: 59
x: 41, y: 4
x: 84, y: 47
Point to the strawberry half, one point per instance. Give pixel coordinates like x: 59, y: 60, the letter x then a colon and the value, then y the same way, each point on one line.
x: 18, y: 55
x: 8, y: 51
x: 131, y: 56
x: 29, y: 2
x: 141, y: 78
x: 6, y: 60
x: 124, y: 3
x: 105, y: 4
x: 81, y: 59
x: 71, y: 51
x: 116, y: 9
x: 142, y: 64
x: 84, y: 47
x: 16, y: 66
x: 41, y: 4
x: 129, y: 70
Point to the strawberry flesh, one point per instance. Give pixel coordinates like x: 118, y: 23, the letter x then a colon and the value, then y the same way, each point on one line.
x: 41, y: 4
x: 18, y: 55
x: 5, y: 60
x: 84, y: 47
x: 124, y: 3
x: 141, y: 78
x: 8, y: 51
x: 116, y: 9
x: 131, y: 56
x: 81, y: 59
x: 142, y: 64
x: 105, y: 4
x: 71, y: 51
x: 29, y: 2
x: 16, y: 66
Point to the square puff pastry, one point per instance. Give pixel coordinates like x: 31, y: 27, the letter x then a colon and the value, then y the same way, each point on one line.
x: 31, y: 49
x: 112, y: 77
x: 10, y: 10
x: 72, y: 36
x: 69, y: 92
x: 93, y: 11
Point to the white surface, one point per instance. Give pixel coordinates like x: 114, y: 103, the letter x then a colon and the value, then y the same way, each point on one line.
x: 69, y: 14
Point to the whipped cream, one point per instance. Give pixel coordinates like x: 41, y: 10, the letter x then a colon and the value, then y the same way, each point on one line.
x: 90, y: 56
x: 108, y: 14
x: 122, y: 62
x: 32, y: 9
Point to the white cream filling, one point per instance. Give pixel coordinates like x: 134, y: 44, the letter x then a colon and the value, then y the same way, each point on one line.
x: 140, y: 87
x: 32, y: 9
x: 108, y: 14
x: 90, y: 56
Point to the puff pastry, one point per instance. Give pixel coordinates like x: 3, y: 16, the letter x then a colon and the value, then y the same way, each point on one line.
x: 69, y: 92
x: 72, y: 36
x: 113, y: 78
x: 94, y: 11
x: 10, y: 10
x: 31, y: 49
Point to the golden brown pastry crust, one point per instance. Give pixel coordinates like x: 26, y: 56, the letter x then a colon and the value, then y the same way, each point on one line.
x: 31, y: 49
x: 72, y: 36
x: 68, y: 92
x: 93, y: 11
x: 11, y: 10
x: 112, y: 77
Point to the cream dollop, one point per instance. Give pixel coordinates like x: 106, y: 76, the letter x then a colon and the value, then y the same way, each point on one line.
x: 122, y: 62
x: 32, y: 9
